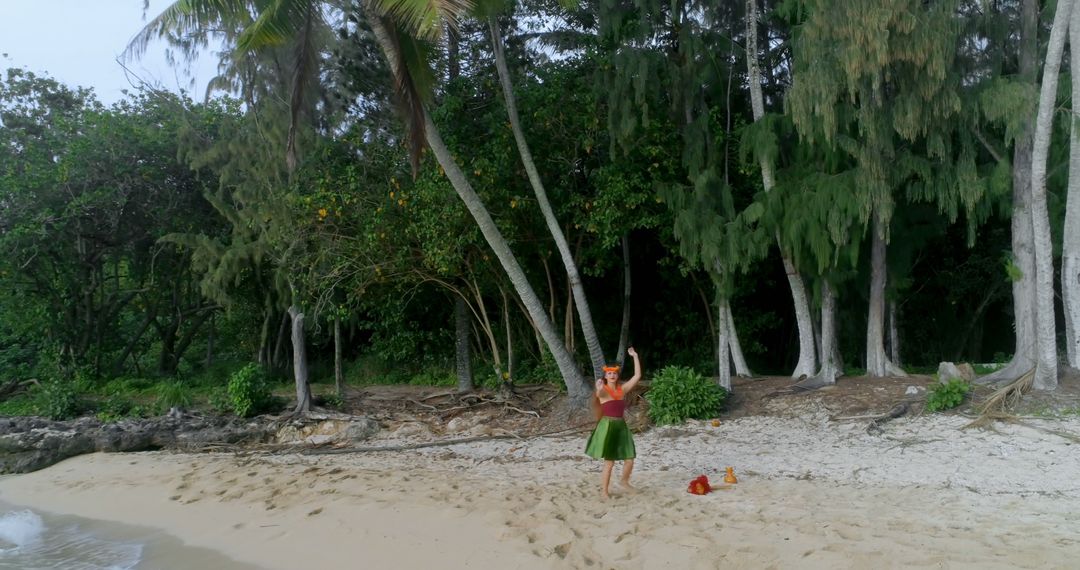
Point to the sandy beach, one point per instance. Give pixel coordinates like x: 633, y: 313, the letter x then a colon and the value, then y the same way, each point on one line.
x: 813, y: 493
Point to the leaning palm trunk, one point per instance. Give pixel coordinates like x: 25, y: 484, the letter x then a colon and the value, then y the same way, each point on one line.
x: 1070, y: 248
x: 624, y: 328
x: 592, y: 341
x: 807, y: 357
x: 575, y: 384
x: 1045, y: 325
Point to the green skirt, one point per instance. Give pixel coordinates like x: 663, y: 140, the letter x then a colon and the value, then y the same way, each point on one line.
x: 611, y: 440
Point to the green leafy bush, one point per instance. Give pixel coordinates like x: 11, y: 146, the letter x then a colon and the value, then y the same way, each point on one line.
x: 947, y: 395
x: 249, y: 392
x: 58, y: 399
x: 678, y: 393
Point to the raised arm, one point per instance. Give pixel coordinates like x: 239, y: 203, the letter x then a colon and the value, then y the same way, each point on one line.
x: 632, y: 382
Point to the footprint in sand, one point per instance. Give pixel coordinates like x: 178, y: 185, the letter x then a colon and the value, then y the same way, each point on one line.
x: 315, y: 512
x: 562, y: 550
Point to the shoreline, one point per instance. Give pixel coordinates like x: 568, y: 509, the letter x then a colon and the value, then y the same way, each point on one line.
x: 925, y: 495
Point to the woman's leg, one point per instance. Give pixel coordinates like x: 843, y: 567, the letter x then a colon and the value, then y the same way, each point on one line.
x: 605, y: 478
x: 628, y: 468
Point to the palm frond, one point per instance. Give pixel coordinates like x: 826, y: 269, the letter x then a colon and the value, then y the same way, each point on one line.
x: 424, y: 18
x: 413, y: 80
x: 186, y: 16
x: 277, y: 23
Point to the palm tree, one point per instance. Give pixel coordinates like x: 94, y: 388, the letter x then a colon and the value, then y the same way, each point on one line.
x: 391, y: 40
x: 592, y: 341
x: 397, y: 26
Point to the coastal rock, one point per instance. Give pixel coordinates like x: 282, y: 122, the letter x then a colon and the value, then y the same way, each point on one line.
x: 947, y: 371
x: 323, y: 429
x: 29, y: 443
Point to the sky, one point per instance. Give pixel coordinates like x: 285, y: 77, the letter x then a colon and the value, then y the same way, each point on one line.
x: 78, y: 42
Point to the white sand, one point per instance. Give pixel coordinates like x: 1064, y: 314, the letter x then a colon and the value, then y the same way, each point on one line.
x: 812, y: 494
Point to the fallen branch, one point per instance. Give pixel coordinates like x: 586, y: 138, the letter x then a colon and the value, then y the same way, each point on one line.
x: 422, y: 405
x: 898, y: 410
x: 526, y: 412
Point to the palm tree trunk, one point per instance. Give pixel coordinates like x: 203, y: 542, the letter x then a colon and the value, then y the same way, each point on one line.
x: 1023, y: 238
x: 576, y: 388
x: 462, y: 348
x: 588, y: 330
x: 624, y: 328
x: 300, y: 369
x: 1046, y: 363
x: 807, y: 357
x: 878, y: 364
x: 339, y: 375
x: 1070, y: 248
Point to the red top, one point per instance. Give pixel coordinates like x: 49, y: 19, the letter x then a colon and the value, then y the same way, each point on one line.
x: 613, y: 408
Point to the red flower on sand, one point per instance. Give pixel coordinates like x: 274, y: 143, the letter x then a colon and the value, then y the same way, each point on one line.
x: 699, y: 486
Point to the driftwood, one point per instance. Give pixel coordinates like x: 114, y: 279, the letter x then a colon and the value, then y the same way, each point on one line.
x: 898, y: 410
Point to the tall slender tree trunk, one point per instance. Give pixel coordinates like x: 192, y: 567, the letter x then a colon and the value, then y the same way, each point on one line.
x: 1070, y: 245
x: 300, y: 368
x: 210, y: 342
x: 1046, y: 359
x: 830, y: 366
x: 742, y: 370
x: 339, y: 374
x: 807, y: 357
x: 878, y: 364
x: 894, y: 333
x: 263, y: 356
x: 588, y: 330
x: 462, y: 350
x: 1023, y: 238
x: 624, y: 328
x: 723, y: 328
x: 578, y: 392
x: 279, y: 345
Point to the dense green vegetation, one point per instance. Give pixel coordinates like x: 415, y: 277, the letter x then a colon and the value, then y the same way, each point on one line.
x: 305, y: 224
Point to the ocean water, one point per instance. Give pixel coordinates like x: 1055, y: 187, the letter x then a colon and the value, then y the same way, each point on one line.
x: 33, y: 540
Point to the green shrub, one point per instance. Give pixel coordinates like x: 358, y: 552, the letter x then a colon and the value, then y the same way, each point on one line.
x: 114, y: 408
x: 173, y: 394
x: 947, y: 395
x: 678, y: 393
x: 249, y: 393
x: 58, y: 399
x: 19, y: 405
x: 219, y: 400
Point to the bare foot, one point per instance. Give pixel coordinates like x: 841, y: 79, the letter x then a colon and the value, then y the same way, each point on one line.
x: 629, y: 488
x: 604, y: 496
